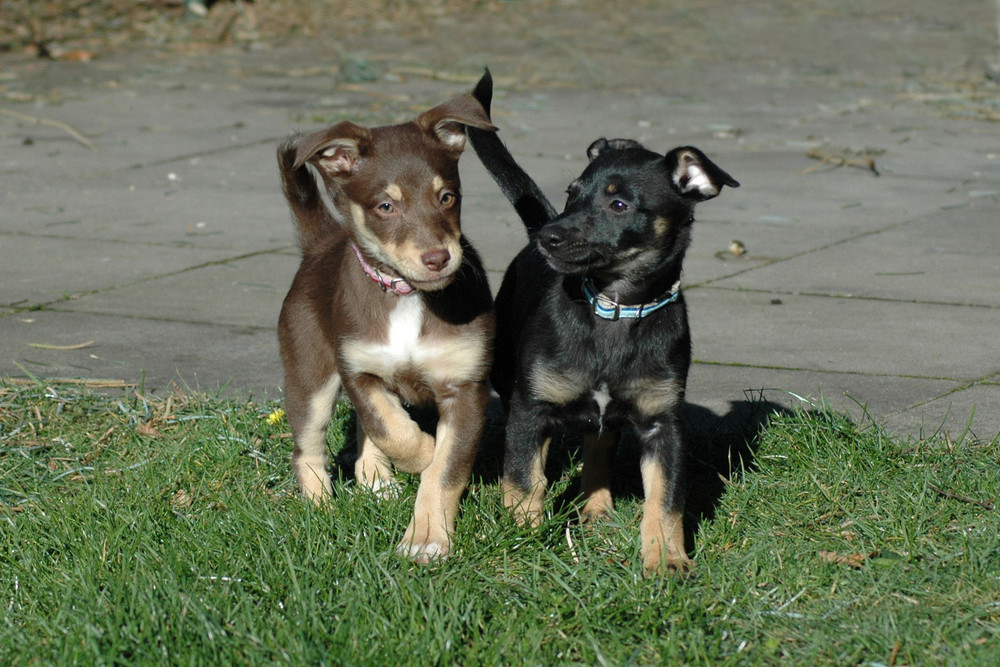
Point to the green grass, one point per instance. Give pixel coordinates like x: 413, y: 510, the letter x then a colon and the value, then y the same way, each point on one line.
x: 133, y: 531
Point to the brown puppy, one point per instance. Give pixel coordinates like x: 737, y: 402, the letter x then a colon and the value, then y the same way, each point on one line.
x: 390, y: 304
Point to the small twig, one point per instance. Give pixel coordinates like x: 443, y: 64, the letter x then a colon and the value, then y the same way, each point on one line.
x: 92, y: 383
x: 54, y: 123
x: 116, y: 471
x: 572, y: 549
x: 962, y: 499
x: 436, y: 75
x: 894, y: 654
x: 72, y: 472
x: 838, y: 161
x: 46, y: 346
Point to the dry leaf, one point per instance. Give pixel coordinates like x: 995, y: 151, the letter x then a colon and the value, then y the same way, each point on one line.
x: 181, y: 500
x: 856, y: 561
x: 76, y: 55
x: 147, y: 429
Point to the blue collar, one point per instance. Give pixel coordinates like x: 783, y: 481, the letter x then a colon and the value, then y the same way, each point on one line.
x: 612, y: 310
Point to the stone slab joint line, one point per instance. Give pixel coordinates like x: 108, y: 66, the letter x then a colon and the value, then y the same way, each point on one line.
x: 141, y: 281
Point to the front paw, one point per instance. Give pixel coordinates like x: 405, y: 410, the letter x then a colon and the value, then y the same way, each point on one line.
x: 423, y: 553
x: 658, y: 560
x: 314, y: 482
x: 382, y: 488
x: 528, y: 506
x: 424, y: 544
x: 598, y: 507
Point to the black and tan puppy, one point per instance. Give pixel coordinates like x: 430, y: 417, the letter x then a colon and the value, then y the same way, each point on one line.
x: 390, y: 304
x: 592, y: 329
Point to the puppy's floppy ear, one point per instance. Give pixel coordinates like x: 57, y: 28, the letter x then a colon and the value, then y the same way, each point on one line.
x: 335, y: 151
x: 603, y: 145
x: 695, y: 176
x: 447, y: 121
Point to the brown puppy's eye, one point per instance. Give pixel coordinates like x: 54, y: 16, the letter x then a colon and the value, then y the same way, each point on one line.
x: 618, y: 206
x: 386, y: 208
x: 448, y: 198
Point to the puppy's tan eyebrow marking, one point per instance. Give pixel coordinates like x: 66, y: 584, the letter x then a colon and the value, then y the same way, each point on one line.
x: 437, y: 184
x: 394, y: 191
x: 612, y: 188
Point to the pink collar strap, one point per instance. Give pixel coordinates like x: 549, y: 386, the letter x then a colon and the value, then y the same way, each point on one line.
x: 397, y: 285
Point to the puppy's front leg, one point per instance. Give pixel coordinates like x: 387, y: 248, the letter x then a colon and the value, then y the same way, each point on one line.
x: 527, y: 449
x: 661, y: 530
x: 372, y: 468
x: 388, y: 426
x: 460, y: 426
x: 598, y: 458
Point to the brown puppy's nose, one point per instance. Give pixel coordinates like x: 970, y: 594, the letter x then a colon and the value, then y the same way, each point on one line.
x: 435, y: 260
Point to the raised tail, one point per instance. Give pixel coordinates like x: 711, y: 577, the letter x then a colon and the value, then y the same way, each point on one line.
x: 313, y: 221
x: 531, y: 204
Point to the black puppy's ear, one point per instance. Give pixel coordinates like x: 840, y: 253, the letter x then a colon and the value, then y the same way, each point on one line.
x: 336, y: 151
x: 447, y: 121
x: 602, y: 145
x: 696, y: 176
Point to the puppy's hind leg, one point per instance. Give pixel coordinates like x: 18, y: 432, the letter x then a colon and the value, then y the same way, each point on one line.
x: 309, y: 416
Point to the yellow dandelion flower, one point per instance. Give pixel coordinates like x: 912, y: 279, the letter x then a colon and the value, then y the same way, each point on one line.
x: 275, y: 417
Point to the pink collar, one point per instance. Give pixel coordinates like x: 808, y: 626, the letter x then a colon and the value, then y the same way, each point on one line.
x: 397, y: 285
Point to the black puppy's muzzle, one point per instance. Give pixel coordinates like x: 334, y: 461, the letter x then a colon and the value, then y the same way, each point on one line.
x: 567, y: 249
x: 558, y: 239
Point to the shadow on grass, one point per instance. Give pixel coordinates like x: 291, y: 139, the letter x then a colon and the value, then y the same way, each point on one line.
x: 720, y: 448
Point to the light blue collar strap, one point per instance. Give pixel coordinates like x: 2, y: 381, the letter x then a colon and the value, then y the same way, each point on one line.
x: 609, y: 309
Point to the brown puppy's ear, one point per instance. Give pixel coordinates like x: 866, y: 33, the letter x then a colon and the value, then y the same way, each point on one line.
x: 447, y: 121
x: 695, y: 176
x: 335, y: 151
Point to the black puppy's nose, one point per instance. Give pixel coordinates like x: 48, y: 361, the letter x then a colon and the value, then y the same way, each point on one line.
x: 552, y: 236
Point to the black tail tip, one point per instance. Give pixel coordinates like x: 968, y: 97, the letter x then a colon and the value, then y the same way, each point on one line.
x: 483, y: 92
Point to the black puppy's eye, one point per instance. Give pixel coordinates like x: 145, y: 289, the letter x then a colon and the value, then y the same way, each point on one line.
x: 618, y: 206
x: 386, y: 208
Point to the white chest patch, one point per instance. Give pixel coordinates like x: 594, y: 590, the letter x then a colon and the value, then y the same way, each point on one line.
x: 458, y: 358
x: 602, y: 396
x: 405, y: 322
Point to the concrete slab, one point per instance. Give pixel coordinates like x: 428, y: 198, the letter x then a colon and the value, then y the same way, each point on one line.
x: 947, y: 257
x: 163, y: 213
x: 246, y: 292
x: 863, y: 396
x: 38, y: 270
x: 206, y: 357
x: 967, y: 412
x: 826, y: 334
